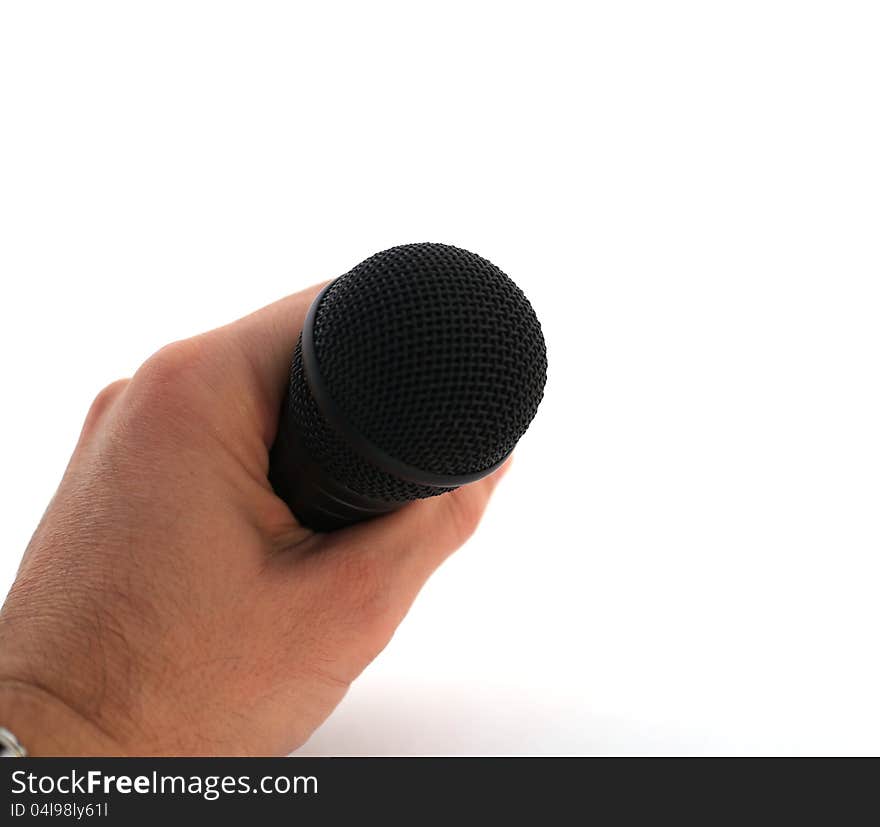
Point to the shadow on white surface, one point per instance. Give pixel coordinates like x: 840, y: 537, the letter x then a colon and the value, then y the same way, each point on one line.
x: 451, y: 720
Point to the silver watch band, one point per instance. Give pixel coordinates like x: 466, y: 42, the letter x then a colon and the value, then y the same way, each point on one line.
x: 9, y: 745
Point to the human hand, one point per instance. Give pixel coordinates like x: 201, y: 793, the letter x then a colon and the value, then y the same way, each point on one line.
x: 169, y: 602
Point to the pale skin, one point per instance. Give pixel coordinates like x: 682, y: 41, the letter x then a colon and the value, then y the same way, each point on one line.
x: 169, y: 603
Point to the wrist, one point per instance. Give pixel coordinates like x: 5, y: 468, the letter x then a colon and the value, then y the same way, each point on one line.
x: 47, y: 726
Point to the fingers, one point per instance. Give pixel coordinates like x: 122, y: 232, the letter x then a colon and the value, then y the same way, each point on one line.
x: 385, y: 562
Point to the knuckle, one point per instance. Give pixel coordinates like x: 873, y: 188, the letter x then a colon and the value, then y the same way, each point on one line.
x: 106, y: 396
x: 174, y: 368
x: 102, y: 402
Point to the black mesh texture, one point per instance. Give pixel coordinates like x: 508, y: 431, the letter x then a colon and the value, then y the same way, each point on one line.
x: 334, y: 455
x: 433, y: 355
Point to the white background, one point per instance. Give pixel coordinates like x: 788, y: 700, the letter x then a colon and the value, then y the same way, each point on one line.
x: 685, y: 556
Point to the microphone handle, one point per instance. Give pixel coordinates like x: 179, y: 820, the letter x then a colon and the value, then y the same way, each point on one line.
x: 317, y: 500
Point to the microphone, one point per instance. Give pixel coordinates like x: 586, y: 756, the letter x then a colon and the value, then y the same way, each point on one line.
x: 415, y: 373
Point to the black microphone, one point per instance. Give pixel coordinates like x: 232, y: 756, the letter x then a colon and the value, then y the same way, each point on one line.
x: 415, y: 373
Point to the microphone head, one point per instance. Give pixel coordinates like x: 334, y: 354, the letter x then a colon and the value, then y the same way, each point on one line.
x: 417, y: 371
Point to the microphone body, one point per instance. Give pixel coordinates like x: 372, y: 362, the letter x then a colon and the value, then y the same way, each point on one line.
x: 415, y: 373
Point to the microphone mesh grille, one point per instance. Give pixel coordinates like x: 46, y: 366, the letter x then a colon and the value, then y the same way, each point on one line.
x: 331, y: 452
x: 434, y: 356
